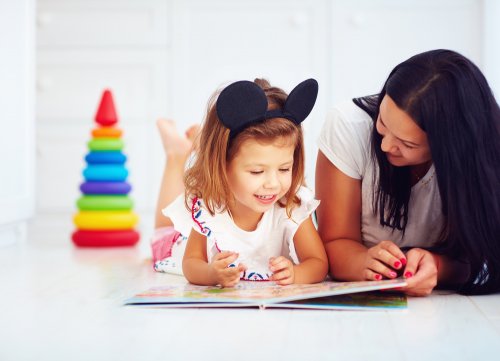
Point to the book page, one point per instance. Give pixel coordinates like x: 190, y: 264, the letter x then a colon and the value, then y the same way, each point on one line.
x: 254, y: 293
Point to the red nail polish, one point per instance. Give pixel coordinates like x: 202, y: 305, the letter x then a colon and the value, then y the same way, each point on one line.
x: 403, y: 261
x: 393, y: 274
x: 397, y: 264
x: 378, y: 277
x: 408, y: 274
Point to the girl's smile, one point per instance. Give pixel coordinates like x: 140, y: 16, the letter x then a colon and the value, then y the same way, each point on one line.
x: 269, y: 199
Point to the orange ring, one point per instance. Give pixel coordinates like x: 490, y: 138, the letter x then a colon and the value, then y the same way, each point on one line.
x: 107, y: 132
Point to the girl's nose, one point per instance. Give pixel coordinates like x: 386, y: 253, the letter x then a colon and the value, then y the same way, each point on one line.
x: 271, y: 180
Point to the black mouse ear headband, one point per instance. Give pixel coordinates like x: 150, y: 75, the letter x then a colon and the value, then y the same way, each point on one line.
x: 243, y: 103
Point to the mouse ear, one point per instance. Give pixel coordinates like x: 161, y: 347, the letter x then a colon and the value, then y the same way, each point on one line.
x: 241, y: 104
x: 301, y: 101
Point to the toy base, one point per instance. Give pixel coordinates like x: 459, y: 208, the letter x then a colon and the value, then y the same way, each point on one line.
x: 119, y: 238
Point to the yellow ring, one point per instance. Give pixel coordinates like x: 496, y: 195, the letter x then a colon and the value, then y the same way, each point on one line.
x: 105, y: 220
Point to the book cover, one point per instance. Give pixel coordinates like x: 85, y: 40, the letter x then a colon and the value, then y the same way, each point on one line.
x: 325, y: 295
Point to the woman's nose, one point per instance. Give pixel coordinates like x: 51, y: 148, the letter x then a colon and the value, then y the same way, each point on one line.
x: 387, y: 145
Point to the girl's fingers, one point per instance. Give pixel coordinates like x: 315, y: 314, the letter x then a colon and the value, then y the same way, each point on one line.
x: 222, y: 255
x: 282, y: 275
x: 284, y: 282
x: 279, y: 264
x: 225, y: 258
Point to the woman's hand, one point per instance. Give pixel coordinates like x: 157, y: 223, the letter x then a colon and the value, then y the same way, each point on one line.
x: 283, y: 270
x: 383, y: 260
x: 221, y: 271
x: 421, y: 272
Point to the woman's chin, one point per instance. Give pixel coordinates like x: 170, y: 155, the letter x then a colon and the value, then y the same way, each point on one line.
x: 396, y: 161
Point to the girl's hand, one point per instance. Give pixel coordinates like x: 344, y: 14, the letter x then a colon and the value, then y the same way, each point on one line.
x: 283, y: 270
x: 421, y: 272
x: 223, y: 274
x: 383, y: 260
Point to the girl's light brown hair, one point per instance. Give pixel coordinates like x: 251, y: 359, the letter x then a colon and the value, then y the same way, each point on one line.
x: 207, y: 177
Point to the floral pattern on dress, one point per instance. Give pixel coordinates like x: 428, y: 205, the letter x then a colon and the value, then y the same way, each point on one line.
x: 196, y: 212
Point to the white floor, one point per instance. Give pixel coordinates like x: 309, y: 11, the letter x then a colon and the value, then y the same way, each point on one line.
x: 59, y: 302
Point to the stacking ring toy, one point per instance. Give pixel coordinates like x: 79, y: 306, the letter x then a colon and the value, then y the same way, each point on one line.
x: 105, y: 144
x: 117, y: 238
x: 105, y: 188
x: 105, y: 157
x: 106, y: 132
x: 115, y: 173
x: 103, y: 203
x: 105, y: 220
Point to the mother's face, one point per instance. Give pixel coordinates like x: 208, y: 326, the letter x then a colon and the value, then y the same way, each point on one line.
x: 403, y: 141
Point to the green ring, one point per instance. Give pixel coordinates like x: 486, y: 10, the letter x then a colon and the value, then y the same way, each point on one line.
x: 102, y: 203
x: 105, y: 144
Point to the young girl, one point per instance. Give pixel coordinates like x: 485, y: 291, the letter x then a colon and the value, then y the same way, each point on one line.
x: 244, y: 214
x: 409, y: 179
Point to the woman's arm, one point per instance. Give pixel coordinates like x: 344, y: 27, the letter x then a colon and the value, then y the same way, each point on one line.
x: 313, y: 265
x: 198, y: 271
x: 339, y: 225
x: 339, y: 220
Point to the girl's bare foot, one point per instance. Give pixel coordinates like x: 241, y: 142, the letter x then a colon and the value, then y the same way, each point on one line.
x: 174, y: 143
x: 192, y: 134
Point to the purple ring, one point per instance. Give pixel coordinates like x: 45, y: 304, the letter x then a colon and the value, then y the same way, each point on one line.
x: 105, y: 188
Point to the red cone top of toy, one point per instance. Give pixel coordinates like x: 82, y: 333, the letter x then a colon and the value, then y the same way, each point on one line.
x: 106, y: 113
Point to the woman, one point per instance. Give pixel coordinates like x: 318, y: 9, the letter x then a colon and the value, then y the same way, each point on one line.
x: 409, y: 179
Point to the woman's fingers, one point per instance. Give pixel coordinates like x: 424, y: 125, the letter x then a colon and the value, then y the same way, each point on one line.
x: 420, y: 273
x: 372, y: 276
x: 391, y: 255
x: 381, y: 269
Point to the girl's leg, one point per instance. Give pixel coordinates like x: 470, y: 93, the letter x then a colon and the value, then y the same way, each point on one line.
x: 177, y: 149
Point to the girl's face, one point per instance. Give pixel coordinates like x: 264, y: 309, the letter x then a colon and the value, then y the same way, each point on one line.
x: 403, y: 141
x: 259, y: 175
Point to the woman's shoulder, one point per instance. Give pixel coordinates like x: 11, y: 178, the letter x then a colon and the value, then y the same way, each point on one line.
x: 345, y: 138
x: 349, y: 113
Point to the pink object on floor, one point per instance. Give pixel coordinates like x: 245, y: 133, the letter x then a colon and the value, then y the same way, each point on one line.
x: 162, y: 242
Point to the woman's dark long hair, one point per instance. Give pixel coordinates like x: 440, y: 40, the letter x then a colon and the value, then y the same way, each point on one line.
x: 449, y: 99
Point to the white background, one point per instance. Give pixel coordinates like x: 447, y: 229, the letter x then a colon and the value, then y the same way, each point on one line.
x: 163, y: 58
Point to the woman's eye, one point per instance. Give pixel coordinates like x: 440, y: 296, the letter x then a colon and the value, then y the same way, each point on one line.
x: 256, y: 172
x: 284, y: 170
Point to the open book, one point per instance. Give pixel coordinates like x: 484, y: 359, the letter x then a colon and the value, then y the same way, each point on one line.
x: 325, y: 295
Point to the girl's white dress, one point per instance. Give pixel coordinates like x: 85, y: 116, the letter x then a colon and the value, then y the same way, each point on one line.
x: 273, y: 236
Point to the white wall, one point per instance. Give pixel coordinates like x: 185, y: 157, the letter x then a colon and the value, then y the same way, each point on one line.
x: 165, y: 57
x: 491, y: 44
x: 17, y: 61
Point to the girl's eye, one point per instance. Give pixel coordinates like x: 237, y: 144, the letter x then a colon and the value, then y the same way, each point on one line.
x: 284, y: 170
x: 256, y: 172
x: 408, y: 146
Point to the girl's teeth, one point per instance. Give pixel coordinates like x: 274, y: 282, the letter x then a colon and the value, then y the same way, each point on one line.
x: 265, y: 197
